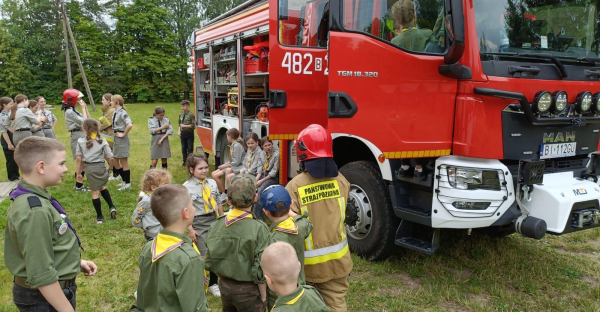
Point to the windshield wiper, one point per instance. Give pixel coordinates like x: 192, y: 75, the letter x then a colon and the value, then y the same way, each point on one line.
x: 545, y: 56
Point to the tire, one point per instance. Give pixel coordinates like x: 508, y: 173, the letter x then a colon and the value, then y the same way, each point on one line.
x: 373, y: 238
x: 224, y: 148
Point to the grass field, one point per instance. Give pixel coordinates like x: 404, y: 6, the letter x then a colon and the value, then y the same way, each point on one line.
x: 470, y: 273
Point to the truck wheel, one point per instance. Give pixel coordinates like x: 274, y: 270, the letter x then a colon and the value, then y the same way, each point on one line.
x: 373, y: 235
x: 224, y: 148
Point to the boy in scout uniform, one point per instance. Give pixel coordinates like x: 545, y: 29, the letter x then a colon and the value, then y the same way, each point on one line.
x: 186, y: 130
x: 411, y: 37
x: 286, y: 226
x: 281, y: 267
x: 234, y: 245
x: 322, y: 192
x: 171, y: 269
x: 41, y: 247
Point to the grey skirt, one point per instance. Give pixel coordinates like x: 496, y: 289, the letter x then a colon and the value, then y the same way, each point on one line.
x: 96, y: 174
x: 39, y: 133
x: 159, y: 151
x: 121, y: 147
x: 75, y: 135
x: 49, y: 133
x: 19, y: 136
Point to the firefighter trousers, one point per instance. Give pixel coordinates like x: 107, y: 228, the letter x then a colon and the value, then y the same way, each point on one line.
x: 334, y: 293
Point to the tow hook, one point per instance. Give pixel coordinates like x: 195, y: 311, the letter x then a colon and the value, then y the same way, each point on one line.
x: 351, y: 213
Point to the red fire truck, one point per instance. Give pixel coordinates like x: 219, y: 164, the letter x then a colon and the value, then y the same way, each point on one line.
x: 497, y: 100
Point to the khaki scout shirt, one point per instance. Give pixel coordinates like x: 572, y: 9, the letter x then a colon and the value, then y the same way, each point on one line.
x: 25, y: 119
x: 237, y: 154
x: 94, y: 154
x: 186, y: 119
x: 194, y: 187
x: 73, y: 119
x: 293, y: 230
x: 171, y: 281
x: 143, y: 217
x: 252, y: 162
x: 326, y: 254
x: 155, y: 123
x: 234, y: 250
x: 4, y: 117
x: 120, y: 120
x: 33, y: 247
x: 271, y: 165
x: 305, y: 298
x: 51, y: 118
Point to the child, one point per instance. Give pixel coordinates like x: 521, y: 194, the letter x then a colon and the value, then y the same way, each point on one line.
x: 171, y: 269
x: 122, y: 124
x: 106, y: 130
x: 41, y: 247
x: 91, y: 151
x: 281, y: 267
x: 204, y: 193
x: 142, y: 215
x: 39, y: 131
x: 73, y: 122
x: 268, y: 174
x: 234, y: 245
x: 286, y: 226
x: 236, y: 153
x: 160, y: 129
x: 253, y: 159
x: 42, y: 111
x: 186, y: 130
x: 24, y: 121
x: 8, y: 147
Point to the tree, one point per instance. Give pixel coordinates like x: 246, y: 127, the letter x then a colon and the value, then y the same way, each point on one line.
x: 214, y: 8
x: 14, y: 75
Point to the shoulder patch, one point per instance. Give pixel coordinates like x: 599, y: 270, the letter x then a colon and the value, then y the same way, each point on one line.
x: 34, y: 201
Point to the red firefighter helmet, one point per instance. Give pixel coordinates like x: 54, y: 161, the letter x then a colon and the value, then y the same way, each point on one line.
x: 70, y: 97
x: 313, y: 142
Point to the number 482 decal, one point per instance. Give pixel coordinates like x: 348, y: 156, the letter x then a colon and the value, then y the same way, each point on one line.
x: 305, y: 64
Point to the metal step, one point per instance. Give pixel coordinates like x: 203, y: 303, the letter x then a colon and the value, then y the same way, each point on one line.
x: 405, y: 237
x: 416, y: 245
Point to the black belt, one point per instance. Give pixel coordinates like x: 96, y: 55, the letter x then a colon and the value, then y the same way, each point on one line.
x: 212, y: 214
x: 89, y: 163
x: 158, y: 133
x: 63, y: 284
x: 74, y: 130
x: 191, y: 131
x: 118, y: 131
x: 23, y: 129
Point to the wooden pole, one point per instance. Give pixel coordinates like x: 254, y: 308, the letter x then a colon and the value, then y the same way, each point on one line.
x: 84, y: 78
x: 64, y: 18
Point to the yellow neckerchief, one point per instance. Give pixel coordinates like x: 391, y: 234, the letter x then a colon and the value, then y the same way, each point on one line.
x: 250, y: 159
x: 267, y: 156
x: 164, y: 243
x: 207, y: 198
x: 236, y: 215
x: 93, y: 135
x: 409, y: 28
x: 291, y: 302
x: 287, y: 226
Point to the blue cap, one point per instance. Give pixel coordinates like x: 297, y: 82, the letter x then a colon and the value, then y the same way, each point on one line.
x: 275, y: 197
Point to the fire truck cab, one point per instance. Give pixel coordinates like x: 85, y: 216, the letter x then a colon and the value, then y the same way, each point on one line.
x: 497, y: 100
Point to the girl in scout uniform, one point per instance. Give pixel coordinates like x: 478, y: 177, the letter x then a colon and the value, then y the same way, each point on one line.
x: 24, y: 121
x: 160, y: 129
x: 142, y: 216
x: 106, y: 130
x: 253, y: 159
x: 204, y: 192
x: 236, y: 153
x: 48, y: 126
x: 73, y: 122
x: 122, y: 124
x: 39, y: 131
x: 91, y: 151
x: 269, y: 173
x: 8, y: 147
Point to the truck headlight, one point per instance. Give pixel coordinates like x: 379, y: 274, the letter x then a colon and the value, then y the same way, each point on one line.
x: 473, y: 179
x: 471, y: 205
x: 542, y: 101
x: 560, y: 101
x: 584, y: 102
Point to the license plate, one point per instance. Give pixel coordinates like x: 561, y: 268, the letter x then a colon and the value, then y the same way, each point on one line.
x: 557, y: 150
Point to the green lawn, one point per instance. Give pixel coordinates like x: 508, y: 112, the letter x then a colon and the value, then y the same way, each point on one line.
x: 470, y: 273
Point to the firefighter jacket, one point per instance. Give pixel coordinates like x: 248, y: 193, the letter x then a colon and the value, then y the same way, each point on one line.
x: 326, y: 254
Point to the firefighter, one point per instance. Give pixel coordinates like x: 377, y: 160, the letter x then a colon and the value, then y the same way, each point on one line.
x: 322, y: 192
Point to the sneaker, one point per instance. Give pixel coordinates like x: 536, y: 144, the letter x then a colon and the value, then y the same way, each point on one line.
x: 402, y: 173
x: 214, y: 290
x: 125, y: 186
x: 81, y: 189
x: 421, y: 176
x: 113, y: 178
x: 99, y: 220
x: 113, y: 212
x: 135, y: 295
x: 223, y: 198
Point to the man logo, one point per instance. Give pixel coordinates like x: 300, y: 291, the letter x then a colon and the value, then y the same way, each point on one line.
x: 559, y: 137
x: 579, y: 191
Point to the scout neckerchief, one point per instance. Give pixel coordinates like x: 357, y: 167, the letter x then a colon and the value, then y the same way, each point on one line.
x: 165, y: 243
x: 236, y: 215
x: 250, y: 158
x: 21, y: 190
x: 93, y: 135
x: 267, y: 156
x: 287, y: 226
x: 231, y: 150
x: 207, y: 198
x: 159, y: 125
x: 141, y: 212
x: 115, y: 115
x: 291, y: 302
x: 409, y: 28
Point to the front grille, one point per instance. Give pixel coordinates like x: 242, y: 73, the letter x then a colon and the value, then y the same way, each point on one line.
x: 574, y: 163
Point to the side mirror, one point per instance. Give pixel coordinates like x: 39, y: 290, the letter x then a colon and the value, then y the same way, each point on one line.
x: 455, y: 30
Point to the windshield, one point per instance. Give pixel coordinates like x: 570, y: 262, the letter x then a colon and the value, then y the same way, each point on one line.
x: 563, y: 28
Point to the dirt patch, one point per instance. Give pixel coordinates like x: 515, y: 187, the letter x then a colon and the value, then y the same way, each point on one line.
x: 452, y: 306
x: 594, y: 256
x: 479, y: 298
x: 402, y: 283
x: 592, y: 281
